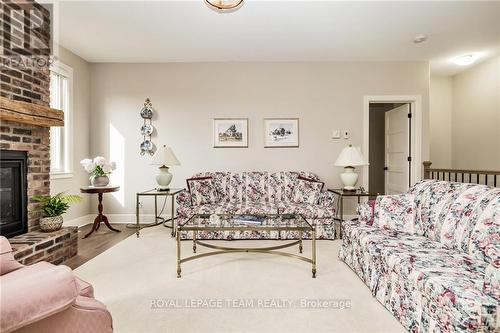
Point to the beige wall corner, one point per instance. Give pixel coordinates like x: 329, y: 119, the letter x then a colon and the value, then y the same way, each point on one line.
x: 476, y: 117
x: 440, y: 106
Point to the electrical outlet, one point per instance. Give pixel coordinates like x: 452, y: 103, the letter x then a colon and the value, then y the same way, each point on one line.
x: 346, y: 134
x: 336, y: 134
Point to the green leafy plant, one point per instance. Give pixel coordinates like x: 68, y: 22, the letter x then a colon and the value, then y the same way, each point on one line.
x: 57, y: 204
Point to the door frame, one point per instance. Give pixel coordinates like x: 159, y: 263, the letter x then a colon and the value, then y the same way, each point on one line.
x: 415, y: 102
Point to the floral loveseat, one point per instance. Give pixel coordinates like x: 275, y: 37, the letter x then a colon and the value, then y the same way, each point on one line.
x: 259, y: 193
x: 431, y: 256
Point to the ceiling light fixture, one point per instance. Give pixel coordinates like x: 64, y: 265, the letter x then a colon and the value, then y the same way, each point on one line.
x: 419, y: 39
x: 465, y: 60
x: 225, y: 5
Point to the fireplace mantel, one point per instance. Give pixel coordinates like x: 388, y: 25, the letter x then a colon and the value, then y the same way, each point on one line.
x: 29, y: 113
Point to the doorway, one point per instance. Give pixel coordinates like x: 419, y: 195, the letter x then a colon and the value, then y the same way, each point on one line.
x: 390, y: 143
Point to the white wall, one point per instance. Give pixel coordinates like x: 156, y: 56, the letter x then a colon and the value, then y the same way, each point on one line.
x: 476, y: 117
x: 324, y: 96
x: 81, y: 133
x: 441, y: 98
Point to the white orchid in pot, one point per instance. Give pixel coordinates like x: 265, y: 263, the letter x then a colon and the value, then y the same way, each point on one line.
x: 99, y: 168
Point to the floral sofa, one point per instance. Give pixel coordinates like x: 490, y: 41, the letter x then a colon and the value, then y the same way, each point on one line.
x: 259, y: 193
x: 431, y: 256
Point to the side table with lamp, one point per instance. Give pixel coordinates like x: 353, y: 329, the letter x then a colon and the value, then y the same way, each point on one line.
x: 164, y: 157
x: 349, y: 158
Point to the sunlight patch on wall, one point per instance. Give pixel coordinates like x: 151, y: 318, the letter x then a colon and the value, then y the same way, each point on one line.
x: 117, y: 154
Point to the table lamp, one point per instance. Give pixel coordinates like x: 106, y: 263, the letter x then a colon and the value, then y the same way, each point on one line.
x: 349, y: 158
x: 163, y: 157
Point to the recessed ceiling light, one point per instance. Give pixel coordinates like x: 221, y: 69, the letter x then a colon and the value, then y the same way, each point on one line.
x: 419, y: 39
x: 465, y: 60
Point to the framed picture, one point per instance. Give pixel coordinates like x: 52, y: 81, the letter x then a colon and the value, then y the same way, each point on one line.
x: 281, y: 132
x: 230, y: 133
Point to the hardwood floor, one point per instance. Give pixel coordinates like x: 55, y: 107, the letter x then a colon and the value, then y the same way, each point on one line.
x: 96, y: 243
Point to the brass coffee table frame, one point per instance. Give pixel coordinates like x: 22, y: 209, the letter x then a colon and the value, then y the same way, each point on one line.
x: 242, y: 227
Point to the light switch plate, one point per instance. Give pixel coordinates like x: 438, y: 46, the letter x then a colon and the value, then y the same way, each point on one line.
x: 346, y: 134
x: 336, y: 134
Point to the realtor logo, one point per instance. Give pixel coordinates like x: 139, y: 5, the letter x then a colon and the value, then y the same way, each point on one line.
x: 26, y: 34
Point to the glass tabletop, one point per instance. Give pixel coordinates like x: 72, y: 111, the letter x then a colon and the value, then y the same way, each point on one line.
x: 228, y: 221
x: 161, y: 192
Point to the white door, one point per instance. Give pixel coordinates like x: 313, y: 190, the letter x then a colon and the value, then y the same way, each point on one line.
x: 397, y: 150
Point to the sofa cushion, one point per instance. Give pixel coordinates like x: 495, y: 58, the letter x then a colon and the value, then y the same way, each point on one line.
x: 35, y: 292
x: 307, y: 190
x: 484, y: 241
x: 435, y: 203
x: 217, y: 208
x: 491, y: 284
x: 257, y: 208
x: 238, y: 208
x: 307, y: 210
x: 395, y: 212
x: 202, y: 190
x: 464, y: 213
x: 236, y: 184
x: 256, y: 187
x: 276, y: 187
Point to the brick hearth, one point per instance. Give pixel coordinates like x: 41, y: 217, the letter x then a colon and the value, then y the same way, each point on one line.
x: 54, y: 247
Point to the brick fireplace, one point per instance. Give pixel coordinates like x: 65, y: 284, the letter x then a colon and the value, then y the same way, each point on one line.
x: 27, y: 83
x: 26, y: 118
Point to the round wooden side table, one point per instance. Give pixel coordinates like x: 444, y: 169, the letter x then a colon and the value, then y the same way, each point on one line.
x: 100, y: 217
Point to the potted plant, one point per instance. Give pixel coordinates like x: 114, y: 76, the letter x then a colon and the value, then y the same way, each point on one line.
x: 99, y: 169
x: 53, y: 207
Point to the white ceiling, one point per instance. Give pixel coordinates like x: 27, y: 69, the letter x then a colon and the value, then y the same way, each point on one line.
x: 188, y: 31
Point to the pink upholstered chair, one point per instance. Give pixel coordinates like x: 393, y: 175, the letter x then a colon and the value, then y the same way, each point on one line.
x: 46, y: 298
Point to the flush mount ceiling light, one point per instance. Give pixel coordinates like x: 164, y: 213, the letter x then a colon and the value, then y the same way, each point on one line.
x: 465, y: 60
x: 420, y: 39
x: 225, y: 5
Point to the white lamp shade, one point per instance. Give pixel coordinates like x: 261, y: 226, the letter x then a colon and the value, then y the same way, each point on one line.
x: 350, y: 156
x: 165, y: 156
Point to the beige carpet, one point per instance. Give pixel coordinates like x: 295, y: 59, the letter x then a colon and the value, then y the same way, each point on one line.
x: 241, y: 292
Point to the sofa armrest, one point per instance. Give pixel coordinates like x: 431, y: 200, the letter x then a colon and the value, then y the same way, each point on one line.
x: 491, y: 286
x: 51, y: 288
x: 184, y: 199
x: 86, y: 314
x: 365, y: 212
x: 328, y: 199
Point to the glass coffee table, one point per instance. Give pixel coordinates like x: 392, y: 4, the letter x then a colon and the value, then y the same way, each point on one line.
x: 202, y: 223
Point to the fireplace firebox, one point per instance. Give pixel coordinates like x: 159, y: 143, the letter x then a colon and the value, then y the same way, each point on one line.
x: 13, y: 193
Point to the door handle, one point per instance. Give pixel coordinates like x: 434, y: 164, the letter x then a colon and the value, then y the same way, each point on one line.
x: 386, y: 168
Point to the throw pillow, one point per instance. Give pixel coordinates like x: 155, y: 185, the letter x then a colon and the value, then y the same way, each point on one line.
x: 366, y: 212
x: 396, y: 212
x: 202, y: 190
x: 307, y: 190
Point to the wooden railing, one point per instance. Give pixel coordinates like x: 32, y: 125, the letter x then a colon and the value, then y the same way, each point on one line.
x: 484, y: 177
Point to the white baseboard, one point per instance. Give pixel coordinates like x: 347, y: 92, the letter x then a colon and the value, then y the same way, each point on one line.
x: 113, y: 218
x: 79, y: 221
